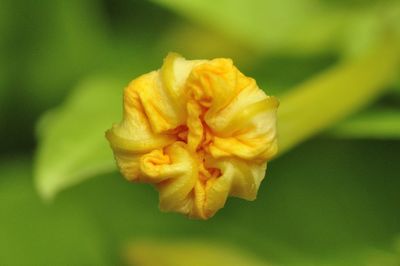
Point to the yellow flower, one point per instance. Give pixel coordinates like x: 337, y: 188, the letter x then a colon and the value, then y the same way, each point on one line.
x: 199, y: 131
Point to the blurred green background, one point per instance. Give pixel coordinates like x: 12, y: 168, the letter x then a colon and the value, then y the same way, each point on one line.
x: 333, y: 200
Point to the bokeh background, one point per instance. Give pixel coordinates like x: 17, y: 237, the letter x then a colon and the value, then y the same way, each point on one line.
x: 333, y: 200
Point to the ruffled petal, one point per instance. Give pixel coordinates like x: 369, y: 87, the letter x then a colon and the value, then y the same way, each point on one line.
x: 199, y: 131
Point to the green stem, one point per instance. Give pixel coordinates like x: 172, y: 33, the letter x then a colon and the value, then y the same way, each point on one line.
x: 336, y: 93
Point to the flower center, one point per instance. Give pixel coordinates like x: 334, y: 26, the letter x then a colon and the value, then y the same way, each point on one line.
x: 198, y: 137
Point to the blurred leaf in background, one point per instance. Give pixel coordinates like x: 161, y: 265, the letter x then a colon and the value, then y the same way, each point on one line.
x: 49, y: 46
x: 72, y: 137
x: 288, y: 27
x: 35, y: 234
x: 383, y: 123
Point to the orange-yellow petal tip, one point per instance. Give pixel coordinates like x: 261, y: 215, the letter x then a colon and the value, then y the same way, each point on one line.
x: 199, y: 131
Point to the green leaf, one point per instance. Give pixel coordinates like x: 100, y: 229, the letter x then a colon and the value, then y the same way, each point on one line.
x: 33, y: 233
x: 382, y: 123
x: 251, y: 22
x: 304, y: 26
x: 326, y: 99
x: 72, y: 146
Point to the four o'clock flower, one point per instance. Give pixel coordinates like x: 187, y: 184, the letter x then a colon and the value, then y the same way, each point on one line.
x: 199, y: 131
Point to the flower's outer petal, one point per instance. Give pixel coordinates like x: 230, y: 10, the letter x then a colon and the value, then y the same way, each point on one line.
x: 251, y: 133
x: 173, y: 75
x: 174, y: 172
x: 134, y: 136
x: 239, y: 178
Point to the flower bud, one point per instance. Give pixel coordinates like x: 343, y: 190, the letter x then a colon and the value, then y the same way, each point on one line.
x: 199, y: 131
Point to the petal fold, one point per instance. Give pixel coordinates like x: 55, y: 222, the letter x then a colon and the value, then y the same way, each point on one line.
x: 199, y: 131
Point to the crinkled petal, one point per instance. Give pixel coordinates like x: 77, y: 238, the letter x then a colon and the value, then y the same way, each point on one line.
x: 199, y: 131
